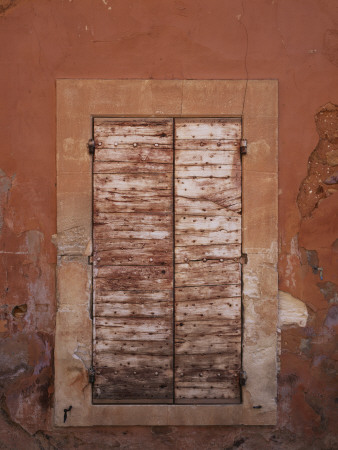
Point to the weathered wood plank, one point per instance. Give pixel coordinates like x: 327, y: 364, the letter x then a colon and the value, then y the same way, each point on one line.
x: 208, y: 171
x: 206, y: 293
x: 127, y: 153
x: 206, y: 157
x: 102, y: 167
x: 228, y: 308
x: 129, y: 384
x: 134, y: 221
x: 134, y: 310
x: 211, y: 237
x: 205, y: 224
x: 210, y: 272
x: 111, y: 131
x: 215, y: 146
x: 207, y: 187
x: 192, y: 363
x: 133, y: 277
x: 134, y: 245
x: 132, y: 226
x: 205, y: 230
x: 200, y: 252
x: 207, y: 347
x: 227, y: 391
x: 134, y: 347
x: 229, y: 200
x: 151, y: 328
x: 133, y: 182
x: 207, y: 129
x: 133, y: 252
x: 133, y: 297
x: 117, y: 202
x: 214, y: 207
x: 207, y: 328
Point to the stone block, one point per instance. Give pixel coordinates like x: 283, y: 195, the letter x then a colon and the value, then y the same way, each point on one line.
x: 213, y: 98
x: 261, y: 134
x: 260, y: 211
x: 73, y: 283
x: 261, y: 99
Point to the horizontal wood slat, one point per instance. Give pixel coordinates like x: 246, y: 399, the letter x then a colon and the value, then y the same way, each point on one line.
x: 145, y: 153
x: 119, y: 167
x: 220, y: 148
x: 206, y: 129
x: 109, y: 132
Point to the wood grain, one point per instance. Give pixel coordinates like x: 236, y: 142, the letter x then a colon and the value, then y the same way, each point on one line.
x: 145, y: 153
x: 206, y: 129
x: 118, y: 167
x: 207, y: 267
x: 108, y: 132
x: 133, y: 260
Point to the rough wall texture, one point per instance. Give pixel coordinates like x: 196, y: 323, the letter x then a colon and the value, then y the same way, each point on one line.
x: 294, y: 42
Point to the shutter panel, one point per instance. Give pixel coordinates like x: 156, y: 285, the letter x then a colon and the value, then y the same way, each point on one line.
x: 133, y: 260
x: 207, y: 260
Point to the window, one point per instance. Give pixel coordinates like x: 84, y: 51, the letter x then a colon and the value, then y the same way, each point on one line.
x: 167, y: 251
x: 255, y: 103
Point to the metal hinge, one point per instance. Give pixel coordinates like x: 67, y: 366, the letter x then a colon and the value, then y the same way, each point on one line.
x: 91, y: 375
x: 242, y: 378
x: 90, y: 259
x: 244, y: 147
x: 243, y: 259
x: 91, y: 146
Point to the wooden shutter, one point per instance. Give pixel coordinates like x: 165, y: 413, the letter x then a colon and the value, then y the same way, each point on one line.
x: 136, y: 325
x: 133, y: 260
x: 207, y: 265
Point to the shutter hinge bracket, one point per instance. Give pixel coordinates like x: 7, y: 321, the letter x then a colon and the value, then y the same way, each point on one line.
x: 90, y: 259
x: 91, y: 375
x: 243, y: 259
x: 91, y: 146
x: 244, y: 147
x: 242, y: 377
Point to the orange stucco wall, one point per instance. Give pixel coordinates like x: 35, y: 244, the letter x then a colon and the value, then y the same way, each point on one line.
x: 294, y: 41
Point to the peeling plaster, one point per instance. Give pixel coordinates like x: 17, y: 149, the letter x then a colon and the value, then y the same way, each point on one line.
x: 82, y: 353
x: 292, y: 311
x: 292, y: 262
x: 322, y: 165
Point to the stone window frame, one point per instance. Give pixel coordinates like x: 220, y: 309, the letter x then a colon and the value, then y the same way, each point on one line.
x: 78, y: 101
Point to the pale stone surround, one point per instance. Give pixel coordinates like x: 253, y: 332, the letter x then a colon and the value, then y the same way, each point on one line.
x: 78, y: 101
